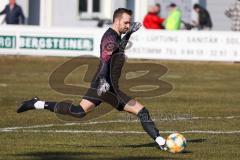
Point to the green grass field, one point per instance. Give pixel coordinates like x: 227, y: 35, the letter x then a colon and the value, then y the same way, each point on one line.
x: 204, y: 105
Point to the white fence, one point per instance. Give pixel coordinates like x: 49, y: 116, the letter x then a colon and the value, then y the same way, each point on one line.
x: 146, y: 44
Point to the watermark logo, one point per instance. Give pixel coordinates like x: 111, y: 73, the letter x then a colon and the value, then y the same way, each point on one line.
x: 131, y: 79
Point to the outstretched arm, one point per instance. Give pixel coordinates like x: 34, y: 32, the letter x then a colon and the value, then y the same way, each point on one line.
x: 3, y: 11
x: 124, y: 41
x: 134, y: 27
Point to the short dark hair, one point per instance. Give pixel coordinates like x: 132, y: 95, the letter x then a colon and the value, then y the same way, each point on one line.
x: 196, y: 6
x: 172, y: 5
x: 120, y: 11
x: 158, y: 5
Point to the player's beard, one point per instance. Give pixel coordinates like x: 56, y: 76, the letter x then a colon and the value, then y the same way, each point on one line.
x: 124, y: 30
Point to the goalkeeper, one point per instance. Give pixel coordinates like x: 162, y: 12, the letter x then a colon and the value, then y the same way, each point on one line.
x: 104, y: 86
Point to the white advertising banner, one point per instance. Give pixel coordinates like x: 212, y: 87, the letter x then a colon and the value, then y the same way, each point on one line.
x: 49, y: 41
x: 145, y: 44
x: 186, y: 45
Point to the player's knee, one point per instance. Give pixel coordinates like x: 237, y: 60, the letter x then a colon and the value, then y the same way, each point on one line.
x: 87, y: 105
x: 133, y: 107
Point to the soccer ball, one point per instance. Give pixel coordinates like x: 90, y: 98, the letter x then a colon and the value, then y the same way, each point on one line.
x: 176, y: 143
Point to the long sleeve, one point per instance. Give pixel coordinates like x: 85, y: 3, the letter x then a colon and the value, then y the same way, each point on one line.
x: 146, y: 22
x: 22, y: 16
x: 108, y: 46
x: 104, y: 69
x: 3, y: 11
x: 124, y: 41
x: 209, y: 23
x: 158, y: 20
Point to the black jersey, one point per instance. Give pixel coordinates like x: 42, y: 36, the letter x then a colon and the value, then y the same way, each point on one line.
x: 109, y: 44
x: 112, y: 57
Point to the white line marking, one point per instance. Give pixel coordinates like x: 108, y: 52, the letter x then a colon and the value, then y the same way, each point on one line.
x: 3, y: 85
x: 106, y: 122
x: 118, y: 132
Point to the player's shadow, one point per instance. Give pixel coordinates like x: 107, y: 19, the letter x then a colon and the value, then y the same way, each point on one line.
x: 133, y: 146
x: 57, y: 155
x: 146, y: 158
x: 85, y: 156
x: 117, y: 146
x: 140, y: 145
x: 200, y: 140
x: 152, y: 145
x: 147, y: 145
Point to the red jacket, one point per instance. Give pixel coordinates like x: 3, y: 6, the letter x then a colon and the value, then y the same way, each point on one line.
x: 152, y: 21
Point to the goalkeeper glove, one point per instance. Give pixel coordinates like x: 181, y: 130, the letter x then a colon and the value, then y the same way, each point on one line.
x: 103, y: 86
x: 134, y: 27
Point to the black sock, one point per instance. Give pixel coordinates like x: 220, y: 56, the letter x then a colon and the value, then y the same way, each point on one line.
x: 147, y: 123
x: 50, y: 106
x: 65, y: 108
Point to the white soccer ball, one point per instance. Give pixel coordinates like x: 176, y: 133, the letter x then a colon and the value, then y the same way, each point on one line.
x: 176, y: 143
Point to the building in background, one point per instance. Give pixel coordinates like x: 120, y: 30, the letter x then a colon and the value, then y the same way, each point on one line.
x: 84, y: 13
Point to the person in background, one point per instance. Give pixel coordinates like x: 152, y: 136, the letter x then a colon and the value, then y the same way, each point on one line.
x: 233, y: 12
x: 152, y: 20
x: 13, y: 13
x: 173, y: 22
x: 204, y: 18
x: 158, y: 8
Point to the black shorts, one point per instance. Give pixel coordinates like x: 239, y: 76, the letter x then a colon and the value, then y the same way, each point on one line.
x: 114, y: 97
